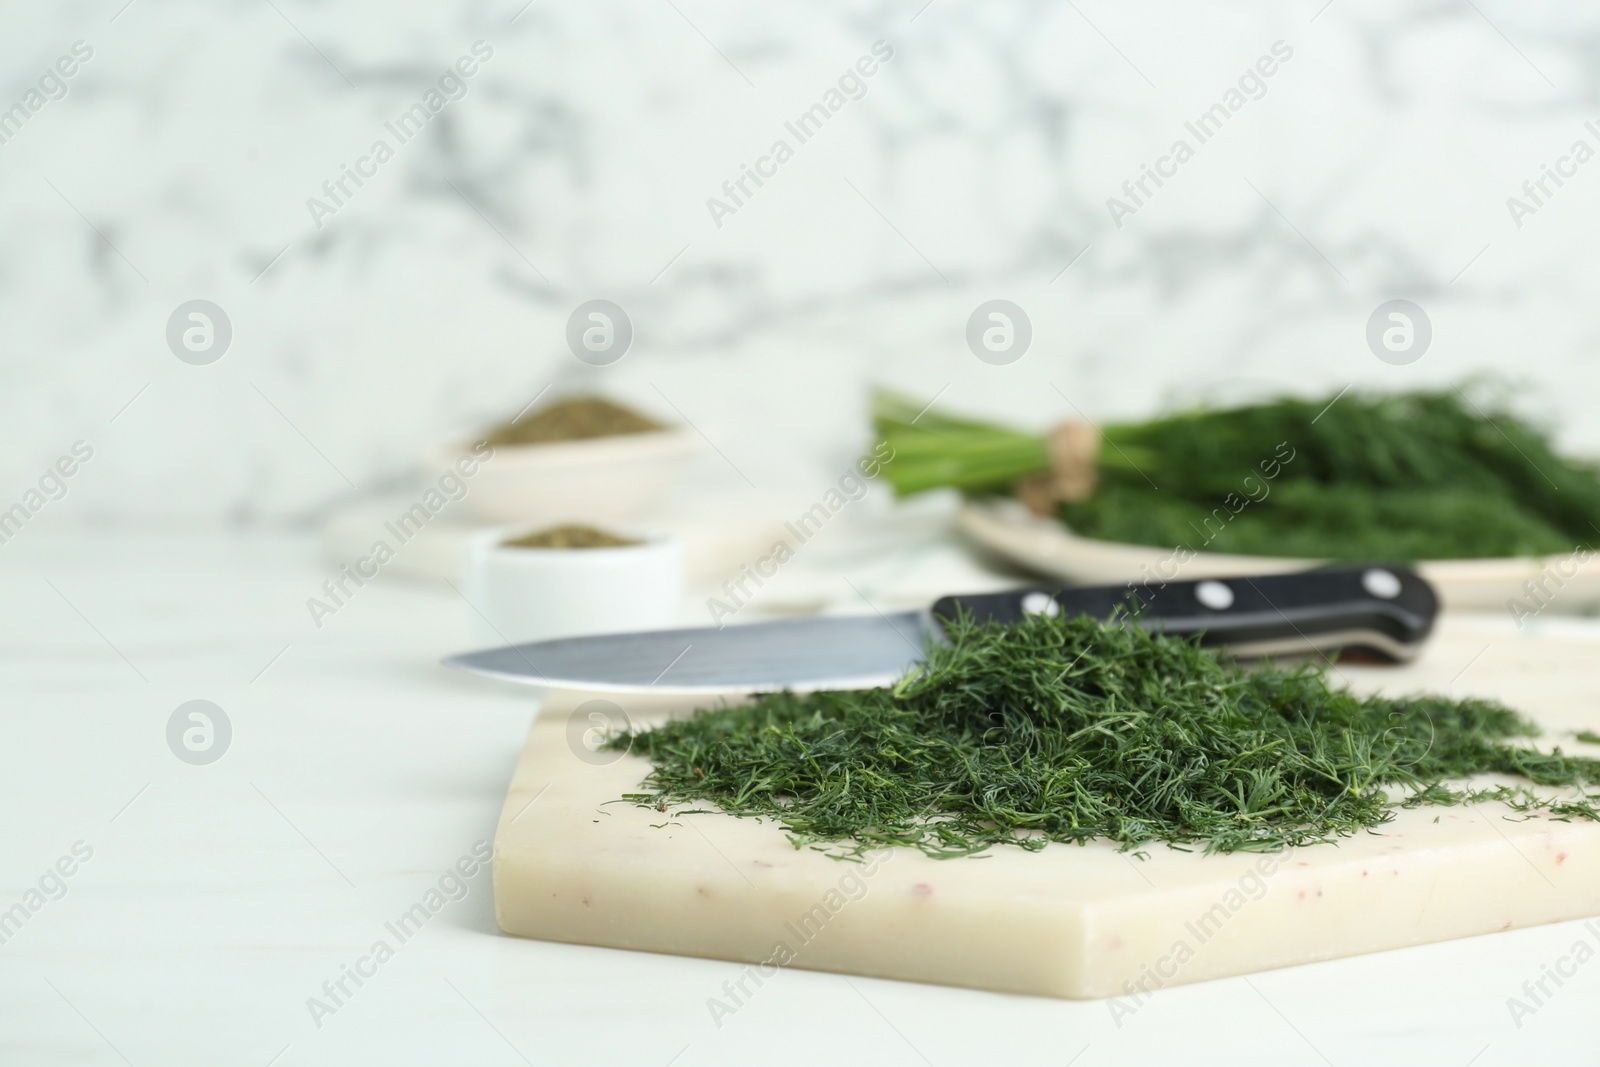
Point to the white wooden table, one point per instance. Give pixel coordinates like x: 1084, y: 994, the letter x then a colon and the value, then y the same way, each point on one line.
x: 220, y: 898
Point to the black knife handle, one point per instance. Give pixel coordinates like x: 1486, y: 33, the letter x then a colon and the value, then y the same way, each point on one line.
x: 1378, y: 607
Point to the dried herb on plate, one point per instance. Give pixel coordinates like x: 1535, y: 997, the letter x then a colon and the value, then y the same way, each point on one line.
x: 1422, y: 475
x: 1072, y: 729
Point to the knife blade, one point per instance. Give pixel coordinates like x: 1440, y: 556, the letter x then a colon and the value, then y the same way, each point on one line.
x: 1385, y: 610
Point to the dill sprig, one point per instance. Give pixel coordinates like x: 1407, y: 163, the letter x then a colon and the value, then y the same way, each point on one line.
x: 1074, y: 729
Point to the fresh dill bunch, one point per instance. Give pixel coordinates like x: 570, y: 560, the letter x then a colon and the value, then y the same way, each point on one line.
x: 1315, y: 521
x: 1073, y: 729
x: 1419, y: 475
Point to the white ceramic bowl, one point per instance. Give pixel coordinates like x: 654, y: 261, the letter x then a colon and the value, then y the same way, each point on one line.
x: 598, y: 480
x: 533, y: 594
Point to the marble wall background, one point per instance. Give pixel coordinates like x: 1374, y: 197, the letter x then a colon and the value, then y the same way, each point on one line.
x: 1376, y: 163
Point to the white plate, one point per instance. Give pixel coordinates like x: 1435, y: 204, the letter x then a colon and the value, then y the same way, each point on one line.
x: 1570, y: 583
x: 719, y: 530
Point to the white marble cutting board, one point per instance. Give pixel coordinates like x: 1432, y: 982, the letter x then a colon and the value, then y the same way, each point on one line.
x: 1076, y: 922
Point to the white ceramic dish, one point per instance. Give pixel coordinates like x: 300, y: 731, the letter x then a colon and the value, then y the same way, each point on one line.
x: 599, y: 480
x: 1564, y: 584
x: 533, y: 594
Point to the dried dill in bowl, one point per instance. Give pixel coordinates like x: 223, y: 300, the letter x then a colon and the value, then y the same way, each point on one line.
x: 1067, y: 730
x: 1410, y: 476
x: 571, y: 536
x: 580, y: 418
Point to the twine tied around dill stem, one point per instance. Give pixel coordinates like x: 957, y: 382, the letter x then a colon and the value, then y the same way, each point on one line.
x: 1074, y: 449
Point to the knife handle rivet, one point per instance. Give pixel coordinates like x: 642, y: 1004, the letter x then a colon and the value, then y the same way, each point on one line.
x: 1214, y: 595
x: 1037, y: 603
x: 1380, y: 583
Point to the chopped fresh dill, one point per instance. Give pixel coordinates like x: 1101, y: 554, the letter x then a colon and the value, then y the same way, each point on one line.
x: 1072, y: 729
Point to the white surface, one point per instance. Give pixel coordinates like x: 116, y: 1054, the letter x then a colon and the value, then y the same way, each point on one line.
x: 205, y: 919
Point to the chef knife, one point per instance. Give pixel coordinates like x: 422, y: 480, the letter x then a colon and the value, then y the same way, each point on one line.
x: 1380, y: 609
